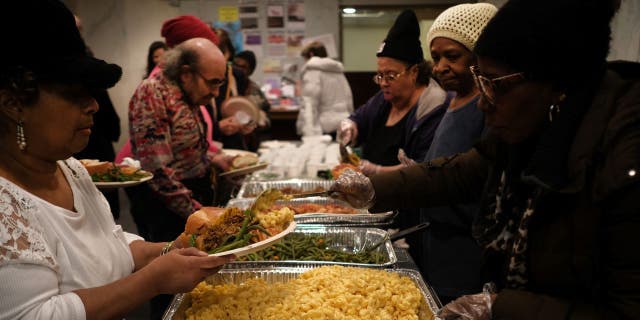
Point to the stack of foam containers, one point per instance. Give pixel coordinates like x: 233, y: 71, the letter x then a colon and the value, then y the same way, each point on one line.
x: 300, y: 160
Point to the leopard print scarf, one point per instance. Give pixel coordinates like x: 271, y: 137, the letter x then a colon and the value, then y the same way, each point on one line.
x: 507, y: 226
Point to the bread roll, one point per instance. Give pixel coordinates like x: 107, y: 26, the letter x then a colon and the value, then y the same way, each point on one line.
x: 128, y: 169
x: 95, y: 166
x: 244, y: 161
x: 204, y: 216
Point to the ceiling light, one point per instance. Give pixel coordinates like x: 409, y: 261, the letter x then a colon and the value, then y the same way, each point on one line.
x: 349, y: 10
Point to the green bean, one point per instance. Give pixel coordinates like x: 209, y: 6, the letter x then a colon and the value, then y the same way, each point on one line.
x: 313, y: 248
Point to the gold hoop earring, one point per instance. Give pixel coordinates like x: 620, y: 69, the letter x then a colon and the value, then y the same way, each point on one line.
x: 21, y: 140
x: 553, y: 110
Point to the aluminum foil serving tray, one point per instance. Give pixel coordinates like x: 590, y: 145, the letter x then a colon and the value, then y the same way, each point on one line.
x: 251, y: 189
x: 283, y: 274
x: 345, y: 238
x: 361, y: 218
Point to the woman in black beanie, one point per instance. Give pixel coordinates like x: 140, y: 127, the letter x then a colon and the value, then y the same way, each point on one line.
x: 557, y: 176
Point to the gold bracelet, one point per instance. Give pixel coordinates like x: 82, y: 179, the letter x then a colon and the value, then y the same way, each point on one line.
x: 166, y: 248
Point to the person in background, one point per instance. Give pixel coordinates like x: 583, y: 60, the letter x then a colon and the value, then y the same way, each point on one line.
x: 389, y: 120
x: 246, y: 62
x: 175, y: 31
x: 411, y: 98
x: 326, y: 94
x: 229, y: 130
x: 556, y: 176
x: 168, y: 136
x: 154, y: 56
x: 61, y: 254
x: 105, y: 131
x: 449, y: 257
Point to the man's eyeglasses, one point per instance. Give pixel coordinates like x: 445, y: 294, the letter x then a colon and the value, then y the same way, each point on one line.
x: 211, y: 83
x: 388, y: 76
x: 488, y: 87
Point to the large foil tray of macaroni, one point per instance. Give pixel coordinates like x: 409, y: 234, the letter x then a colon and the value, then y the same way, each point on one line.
x: 359, y: 217
x: 340, y: 240
x: 429, y: 304
x: 251, y: 189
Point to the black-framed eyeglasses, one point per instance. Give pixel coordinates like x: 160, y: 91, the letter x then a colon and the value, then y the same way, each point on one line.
x: 488, y: 87
x: 388, y: 76
x: 211, y: 83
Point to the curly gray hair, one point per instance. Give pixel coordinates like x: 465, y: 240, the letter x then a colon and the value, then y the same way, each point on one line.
x: 177, y: 57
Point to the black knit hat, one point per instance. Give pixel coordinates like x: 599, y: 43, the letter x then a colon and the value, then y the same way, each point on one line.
x: 403, y: 40
x: 42, y: 37
x: 561, y: 42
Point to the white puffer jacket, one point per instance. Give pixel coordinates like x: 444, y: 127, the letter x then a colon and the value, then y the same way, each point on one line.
x: 326, y: 97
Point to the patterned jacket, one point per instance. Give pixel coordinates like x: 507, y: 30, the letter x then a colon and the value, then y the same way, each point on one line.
x: 168, y: 137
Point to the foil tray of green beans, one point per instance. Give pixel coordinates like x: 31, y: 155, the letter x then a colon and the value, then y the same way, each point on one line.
x: 315, y: 245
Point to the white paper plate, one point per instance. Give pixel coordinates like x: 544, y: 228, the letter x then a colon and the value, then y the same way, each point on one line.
x: 238, y: 152
x: 258, y: 245
x: 122, y: 184
x: 245, y: 170
x: 233, y: 105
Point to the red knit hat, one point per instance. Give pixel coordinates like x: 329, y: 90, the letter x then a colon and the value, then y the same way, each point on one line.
x: 182, y: 28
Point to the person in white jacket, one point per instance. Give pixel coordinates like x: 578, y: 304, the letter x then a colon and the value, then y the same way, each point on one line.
x: 326, y: 94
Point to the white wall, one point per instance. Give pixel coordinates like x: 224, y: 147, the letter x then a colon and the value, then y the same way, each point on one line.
x: 361, y: 44
x: 120, y: 31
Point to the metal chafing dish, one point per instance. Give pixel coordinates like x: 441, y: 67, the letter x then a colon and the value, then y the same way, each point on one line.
x: 343, y: 238
x: 181, y: 302
x: 361, y: 218
x: 251, y: 189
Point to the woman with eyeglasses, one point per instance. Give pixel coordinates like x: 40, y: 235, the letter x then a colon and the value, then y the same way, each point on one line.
x: 406, y: 110
x: 557, y: 176
x: 448, y: 256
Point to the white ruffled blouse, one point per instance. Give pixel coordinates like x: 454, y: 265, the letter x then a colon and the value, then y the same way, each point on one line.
x: 47, y: 251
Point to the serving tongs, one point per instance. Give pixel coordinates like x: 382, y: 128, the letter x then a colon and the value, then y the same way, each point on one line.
x: 346, y: 156
x: 398, y: 235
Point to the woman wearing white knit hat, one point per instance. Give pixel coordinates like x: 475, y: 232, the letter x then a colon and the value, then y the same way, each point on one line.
x: 451, y: 39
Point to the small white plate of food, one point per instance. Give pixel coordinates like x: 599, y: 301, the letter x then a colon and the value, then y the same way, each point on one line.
x: 224, y: 231
x: 244, y: 164
x: 108, y: 175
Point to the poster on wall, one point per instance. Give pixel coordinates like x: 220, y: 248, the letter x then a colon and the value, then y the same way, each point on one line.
x: 275, y: 16
x: 227, y: 14
x: 249, y: 17
x: 295, y: 15
x: 294, y: 42
x: 253, y: 42
x: 276, y: 44
x: 272, y: 65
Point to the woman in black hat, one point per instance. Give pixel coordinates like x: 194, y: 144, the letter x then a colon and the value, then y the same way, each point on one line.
x: 406, y: 111
x: 558, y: 176
x: 61, y: 254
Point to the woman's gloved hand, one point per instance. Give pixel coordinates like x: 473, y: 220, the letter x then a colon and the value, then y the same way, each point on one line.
x: 369, y: 168
x: 402, y: 157
x: 347, y: 132
x: 470, y: 307
x: 354, y: 188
